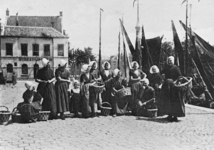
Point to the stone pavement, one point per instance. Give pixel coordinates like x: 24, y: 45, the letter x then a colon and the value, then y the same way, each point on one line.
x: 193, y: 132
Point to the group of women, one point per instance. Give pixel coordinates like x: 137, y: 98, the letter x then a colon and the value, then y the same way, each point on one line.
x: 55, y: 98
x: 155, y: 89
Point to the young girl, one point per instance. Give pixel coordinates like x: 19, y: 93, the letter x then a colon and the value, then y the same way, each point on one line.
x: 75, y: 98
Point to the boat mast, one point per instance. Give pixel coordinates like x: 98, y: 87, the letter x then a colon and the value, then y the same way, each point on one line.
x: 100, y: 42
x: 186, y: 42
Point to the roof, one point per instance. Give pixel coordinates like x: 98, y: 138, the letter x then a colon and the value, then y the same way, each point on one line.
x: 36, y: 21
x: 22, y: 31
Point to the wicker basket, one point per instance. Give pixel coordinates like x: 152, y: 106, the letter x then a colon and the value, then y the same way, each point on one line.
x: 98, y: 89
x: 124, y: 92
x: 183, y: 83
x: 16, y: 116
x: 4, y: 115
x: 105, y: 108
x: 43, y: 115
x: 152, y: 112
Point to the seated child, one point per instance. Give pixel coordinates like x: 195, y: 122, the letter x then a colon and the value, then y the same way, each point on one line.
x: 75, y: 98
x: 31, y: 105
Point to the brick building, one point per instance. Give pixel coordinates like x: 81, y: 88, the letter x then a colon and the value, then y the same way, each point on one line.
x: 25, y: 40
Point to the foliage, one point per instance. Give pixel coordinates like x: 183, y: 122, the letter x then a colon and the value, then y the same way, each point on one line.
x: 78, y: 56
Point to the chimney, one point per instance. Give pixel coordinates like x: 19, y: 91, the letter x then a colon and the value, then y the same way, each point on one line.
x: 7, y: 12
x: 60, y: 16
x: 60, y: 13
x: 52, y: 22
x: 17, y: 20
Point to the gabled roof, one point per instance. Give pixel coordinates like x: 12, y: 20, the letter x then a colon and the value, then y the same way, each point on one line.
x: 36, y: 21
x: 22, y: 31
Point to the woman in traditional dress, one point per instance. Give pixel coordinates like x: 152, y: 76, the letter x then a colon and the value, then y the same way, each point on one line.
x: 155, y: 78
x: 136, y: 87
x: 86, y: 79
x: 31, y: 105
x: 119, y: 105
x: 171, y: 102
x: 61, y: 86
x: 95, y: 98
x: 45, y: 78
x: 106, y: 75
x: 135, y: 73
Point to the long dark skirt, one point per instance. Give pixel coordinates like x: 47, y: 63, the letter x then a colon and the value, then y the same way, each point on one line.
x: 75, y: 100
x: 62, y: 96
x: 47, y: 91
x: 137, y: 92
x: 84, y: 95
x: 171, y: 100
x: 119, y: 105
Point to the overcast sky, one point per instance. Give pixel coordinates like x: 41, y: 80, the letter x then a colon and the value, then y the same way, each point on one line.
x: 81, y: 18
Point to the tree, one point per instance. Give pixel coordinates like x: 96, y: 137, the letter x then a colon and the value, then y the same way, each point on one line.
x: 78, y: 56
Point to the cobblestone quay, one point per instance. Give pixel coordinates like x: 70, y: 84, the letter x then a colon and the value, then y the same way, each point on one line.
x: 194, y: 132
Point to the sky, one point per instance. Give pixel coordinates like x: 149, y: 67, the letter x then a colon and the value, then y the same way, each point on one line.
x: 81, y: 19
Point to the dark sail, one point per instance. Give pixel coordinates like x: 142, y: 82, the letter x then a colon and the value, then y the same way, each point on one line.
x: 131, y: 48
x: 203, y: 55
x: 179, y: 52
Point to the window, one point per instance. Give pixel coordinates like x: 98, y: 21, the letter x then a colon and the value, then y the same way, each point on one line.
x: 24, y: 69
x: 10, y: 68
x: 60, y: 50
x: 35, y: 49
x: 9, y: 49
x: 47, y: 50
x: 24, y: 49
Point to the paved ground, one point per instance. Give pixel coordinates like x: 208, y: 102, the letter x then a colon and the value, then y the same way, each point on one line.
x: 194, y: 132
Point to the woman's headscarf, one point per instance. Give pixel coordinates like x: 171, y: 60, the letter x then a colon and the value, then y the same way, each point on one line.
x: 62, y: 63
x: 29, y: 85
x: 92, y: 62
x: 154, y: 69
x: 106, y: 62
x: 134, y: 62
x: 115, y: 72
x: 44, y: 62
x: 145, y: 80
x: 171, y: 58
x: 84, y: 68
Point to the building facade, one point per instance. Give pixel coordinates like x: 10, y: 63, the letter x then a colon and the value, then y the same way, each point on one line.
x: 25, y: 40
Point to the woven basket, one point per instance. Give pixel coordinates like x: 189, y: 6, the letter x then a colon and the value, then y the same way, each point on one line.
x: 16, y: 116
x: 43, y: 115
x: 4, y: 115
x: 152, y: 113
x: 105, y: 108
x: 185, y: 85
x: 124, y: 92
x: 98, y: 89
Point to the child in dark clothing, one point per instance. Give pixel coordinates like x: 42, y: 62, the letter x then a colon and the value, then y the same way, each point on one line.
x: 75, y: 98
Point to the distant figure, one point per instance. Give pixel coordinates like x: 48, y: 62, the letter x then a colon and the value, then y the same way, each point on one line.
x: 136, y: 74
x: 171, y: 102
x: 106, y: 75
x: 86, y: 80
x: 156, y: 80
x: 32, y: 103
x: 75, y: 98
x: 14, y: 78
x: 45, y: 77
x: 95, y: 98
x: 61, y: 87
x: 119, y: 105
x: 147, y: 99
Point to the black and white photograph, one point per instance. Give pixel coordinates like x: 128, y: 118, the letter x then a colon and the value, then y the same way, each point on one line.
x: 106, y: 74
